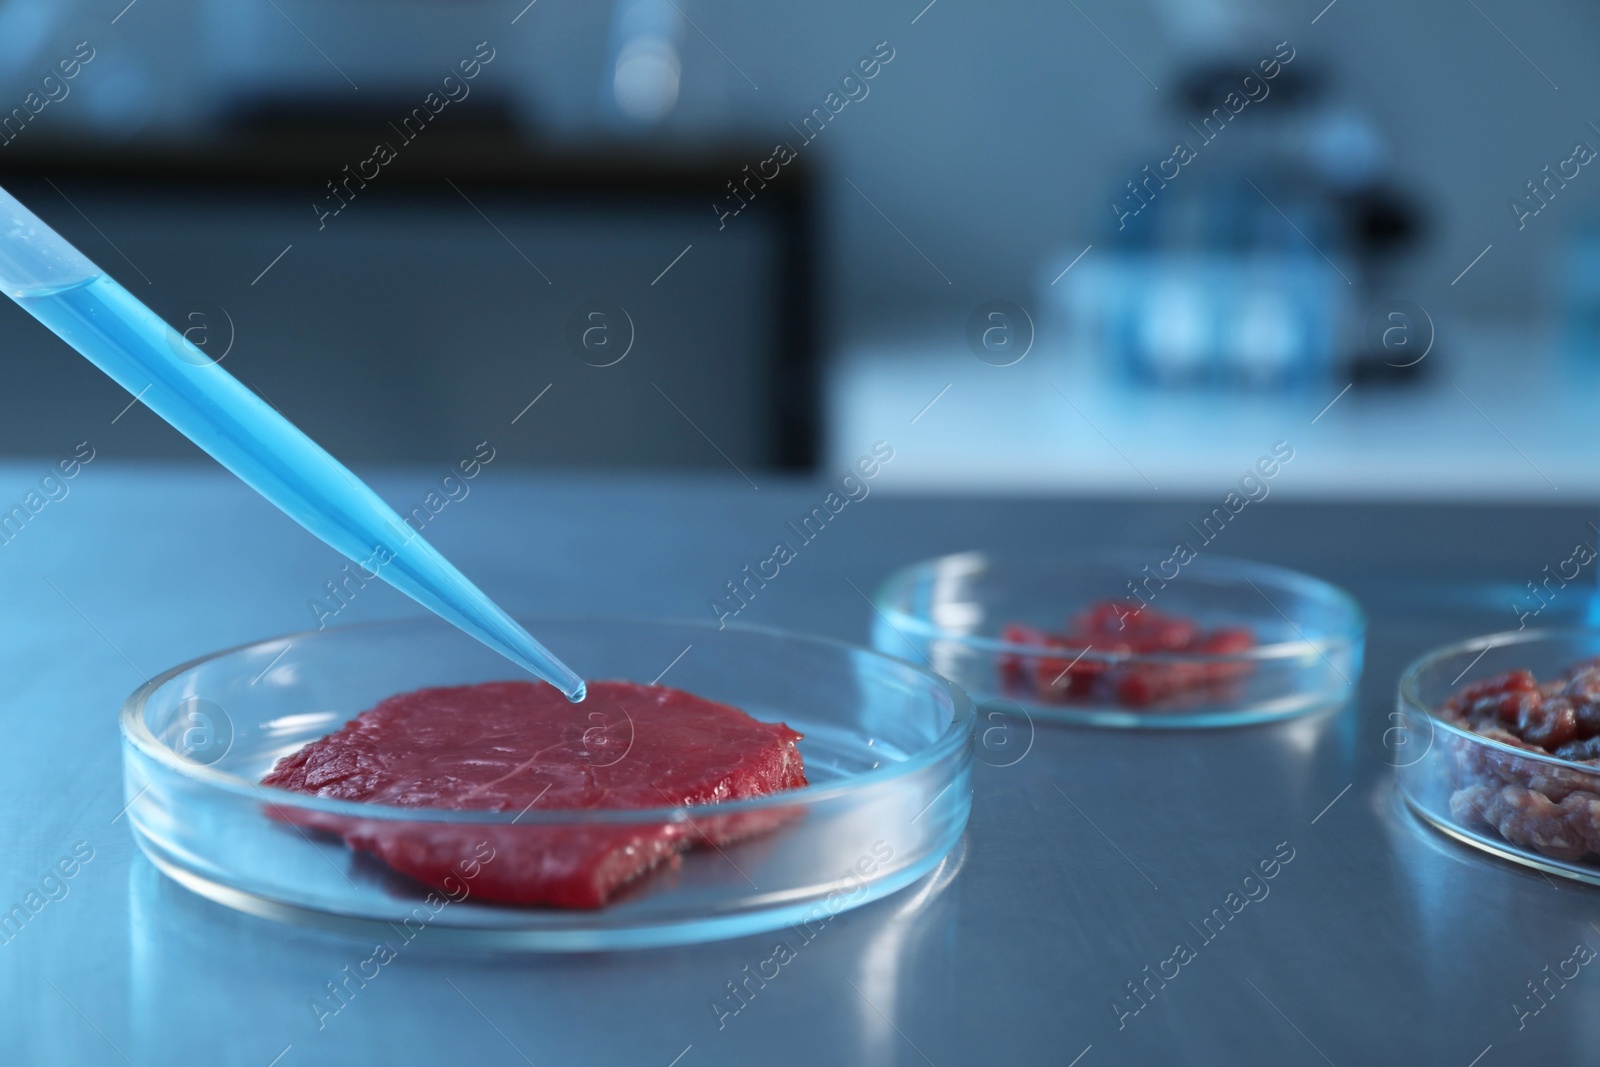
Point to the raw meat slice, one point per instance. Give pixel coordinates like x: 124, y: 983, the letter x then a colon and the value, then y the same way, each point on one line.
x: 521, y: 746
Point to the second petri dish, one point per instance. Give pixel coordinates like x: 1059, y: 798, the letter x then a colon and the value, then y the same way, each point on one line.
x: 1020, y: 630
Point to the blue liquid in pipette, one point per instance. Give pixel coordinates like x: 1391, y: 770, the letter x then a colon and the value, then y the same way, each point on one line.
x: 176, y: 380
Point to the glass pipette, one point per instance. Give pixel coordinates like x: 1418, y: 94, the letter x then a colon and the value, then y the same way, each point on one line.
x: 59, y: 286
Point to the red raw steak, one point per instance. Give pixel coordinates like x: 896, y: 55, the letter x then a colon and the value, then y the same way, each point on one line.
x: 520, y: 746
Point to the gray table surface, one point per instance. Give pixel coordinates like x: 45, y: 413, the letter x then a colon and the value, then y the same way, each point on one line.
x: 1379, y: 943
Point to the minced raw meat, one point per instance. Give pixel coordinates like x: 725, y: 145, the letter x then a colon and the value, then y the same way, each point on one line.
x: 1548, y: 807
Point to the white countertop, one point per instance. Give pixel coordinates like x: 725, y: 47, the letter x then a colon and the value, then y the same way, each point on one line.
x: 1501, y: 415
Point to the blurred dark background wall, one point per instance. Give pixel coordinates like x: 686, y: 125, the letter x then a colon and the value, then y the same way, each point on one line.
x: 967, y: 153
x: 990, y: 139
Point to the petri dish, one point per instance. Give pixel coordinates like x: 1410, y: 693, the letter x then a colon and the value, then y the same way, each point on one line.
x: 888, y: 749
x: 949, y: 613
x: 1521, y: 805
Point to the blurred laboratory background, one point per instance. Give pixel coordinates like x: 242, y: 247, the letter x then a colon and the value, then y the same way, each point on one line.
x: 1041, y: 248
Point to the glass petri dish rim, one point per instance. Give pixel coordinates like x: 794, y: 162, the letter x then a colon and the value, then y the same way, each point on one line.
x: 136, y: 733
x: 1222, y: 566
x: 1506, y: 638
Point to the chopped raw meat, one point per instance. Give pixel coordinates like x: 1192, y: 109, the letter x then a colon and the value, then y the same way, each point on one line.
x: 1076, y: 668
x: 522, y: 746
